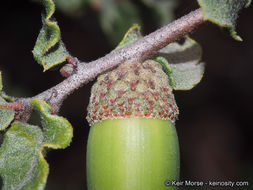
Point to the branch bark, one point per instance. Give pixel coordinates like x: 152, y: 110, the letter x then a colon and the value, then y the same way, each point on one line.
x: 138, y: 51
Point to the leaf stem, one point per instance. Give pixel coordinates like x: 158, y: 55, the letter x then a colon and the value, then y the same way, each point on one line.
x: 138, y: 51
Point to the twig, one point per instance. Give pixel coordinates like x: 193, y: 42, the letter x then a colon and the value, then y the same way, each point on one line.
x: 138, y: 51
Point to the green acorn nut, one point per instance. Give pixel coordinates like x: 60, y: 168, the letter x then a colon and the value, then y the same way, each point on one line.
x: 133, y: 143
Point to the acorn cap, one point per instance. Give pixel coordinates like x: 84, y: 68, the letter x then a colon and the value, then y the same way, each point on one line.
x: 133, y: 89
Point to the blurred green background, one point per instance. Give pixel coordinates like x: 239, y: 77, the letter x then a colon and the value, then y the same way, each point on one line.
x: 215, y: 121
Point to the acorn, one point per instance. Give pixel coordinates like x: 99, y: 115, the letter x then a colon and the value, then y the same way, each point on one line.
x: 132, y: 144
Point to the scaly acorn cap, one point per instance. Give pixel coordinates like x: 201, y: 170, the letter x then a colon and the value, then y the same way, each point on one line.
x: 133, y: 89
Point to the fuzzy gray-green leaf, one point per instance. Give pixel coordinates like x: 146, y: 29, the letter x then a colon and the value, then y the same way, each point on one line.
x: 184, y: 61
x: 6, y: 115
x: 49, y: 51
x: 133, y: 34
x: 22, y: 165
x: 223, y: 13
x: 187, y: 75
